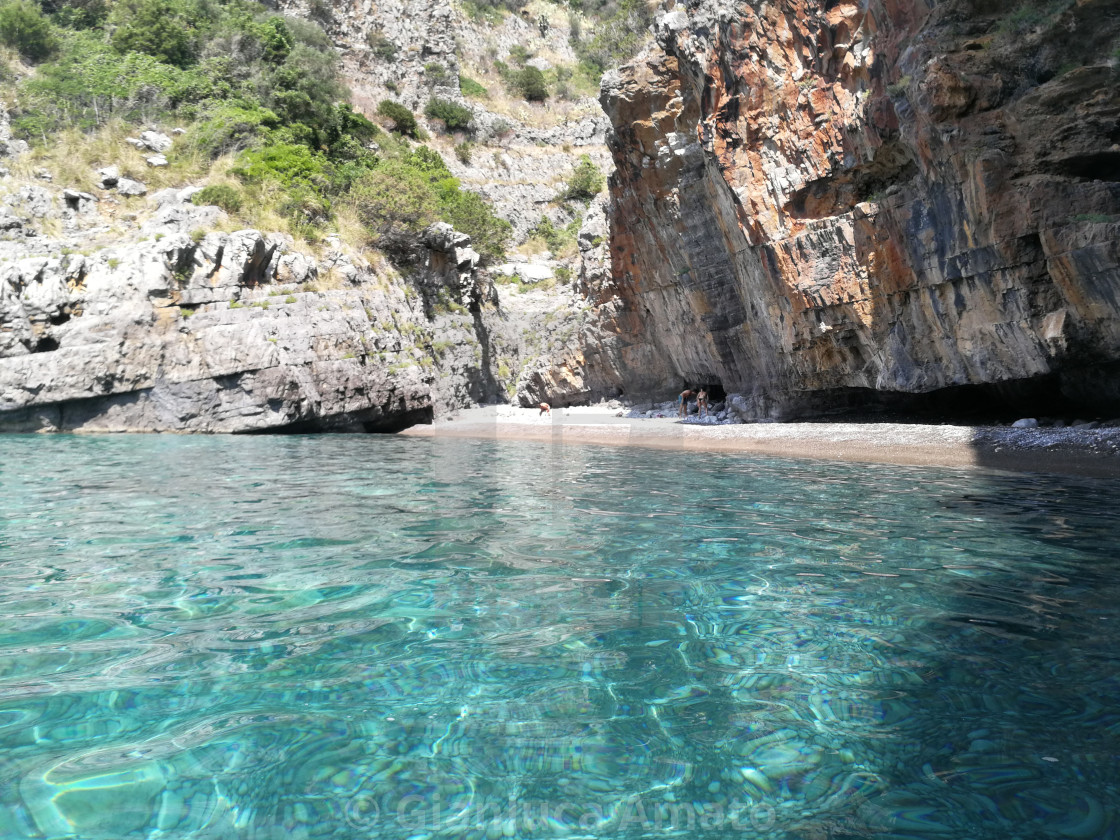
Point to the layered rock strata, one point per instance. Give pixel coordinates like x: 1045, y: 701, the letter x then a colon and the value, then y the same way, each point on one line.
x: 239, y: 332
x: 828, y: 204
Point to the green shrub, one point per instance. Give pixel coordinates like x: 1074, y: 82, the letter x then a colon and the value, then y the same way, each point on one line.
x: 469, y: 212
x: 78, y: 14
x: 221, y: 195
x: 395, y: 202
x: 489, y: 11
x: 285, y: 163
x: 898, y: 88
x: 469, y: 87
x: 530, y: 84
x: 24, y: 28
x: 454, y: 116
x: 403, y: 120
x: 618, y: 37
x: 90, y: 83
x: 275, y: 37
x: 256, y: 70
x: 381, y: 46
x: 556, y: 238
x: 230, y: 128
x: 401, y: 197
x: 158, y: 28
x: 435, y: 73
x: 304, y: 89
x: 463, y: 152
x: 428, y: 163
x: 586, y: 181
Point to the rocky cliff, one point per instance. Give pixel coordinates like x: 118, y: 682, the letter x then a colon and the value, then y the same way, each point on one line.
x: 823, y: 205
x: 179, y: 326
x: 124, y: 311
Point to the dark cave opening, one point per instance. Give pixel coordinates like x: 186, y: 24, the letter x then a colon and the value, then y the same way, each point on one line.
x: 711, y: 384
x: 386, y: 424
x: 1073, y: 395
x: 399, y: 422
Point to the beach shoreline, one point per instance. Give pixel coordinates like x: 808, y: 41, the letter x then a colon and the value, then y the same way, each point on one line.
x: 1069, y: 451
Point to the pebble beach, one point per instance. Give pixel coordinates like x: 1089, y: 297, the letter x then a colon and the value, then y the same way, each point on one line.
x: 1073, y: 451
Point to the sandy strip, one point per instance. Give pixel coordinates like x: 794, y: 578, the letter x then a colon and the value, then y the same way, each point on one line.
x: 1064, y: 451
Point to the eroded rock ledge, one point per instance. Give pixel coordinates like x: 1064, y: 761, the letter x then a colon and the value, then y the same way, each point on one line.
x: 171, y: 328
x: 820, y: 204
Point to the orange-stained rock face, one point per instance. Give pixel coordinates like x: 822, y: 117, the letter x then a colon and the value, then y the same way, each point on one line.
x: 870, y: 196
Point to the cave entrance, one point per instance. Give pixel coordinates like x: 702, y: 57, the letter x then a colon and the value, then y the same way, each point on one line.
x: 1073, y: 395
x: 399, y: 422
x: 709, y: 383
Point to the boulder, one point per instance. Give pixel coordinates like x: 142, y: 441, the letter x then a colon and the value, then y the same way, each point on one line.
x: 109, y: 176
x: 152, y: 141
x: 443, y: 237
x: 33, y: 202
x: 126, y: 186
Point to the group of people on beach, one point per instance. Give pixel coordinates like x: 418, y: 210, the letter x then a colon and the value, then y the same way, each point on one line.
x: 701, y: 402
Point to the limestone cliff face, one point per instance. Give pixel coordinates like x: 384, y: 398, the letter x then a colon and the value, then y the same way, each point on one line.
x: 816, y: 203
x: 170, y: 330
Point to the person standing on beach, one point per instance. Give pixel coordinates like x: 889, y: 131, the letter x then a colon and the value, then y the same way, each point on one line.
x: 702, y: 402
x: 545, y: 409
x: 685, y: 396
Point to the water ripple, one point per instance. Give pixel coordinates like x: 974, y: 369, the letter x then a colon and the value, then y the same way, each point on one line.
x: 368, y: 637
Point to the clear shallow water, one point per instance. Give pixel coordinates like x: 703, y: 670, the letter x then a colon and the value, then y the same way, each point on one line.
x: 364, y: 637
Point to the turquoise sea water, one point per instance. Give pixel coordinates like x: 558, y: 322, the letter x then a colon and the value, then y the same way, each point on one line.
x: 369, y: 637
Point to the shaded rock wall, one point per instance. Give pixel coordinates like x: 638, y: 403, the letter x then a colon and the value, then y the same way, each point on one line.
x: 814, y: 201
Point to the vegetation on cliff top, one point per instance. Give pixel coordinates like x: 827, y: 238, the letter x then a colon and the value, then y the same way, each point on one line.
x: 264, y: 110
x: 601, y: 34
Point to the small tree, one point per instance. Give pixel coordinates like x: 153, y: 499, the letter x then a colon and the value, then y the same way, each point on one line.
x: 154, y: 27
x: 403, y: 120
x: 586, y: 181
x: 221, y: 195
x: 454, y: 116
x: 395, y: 203
x: 23, y: 28
x: 469, y: 212
x: 530, y: 83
